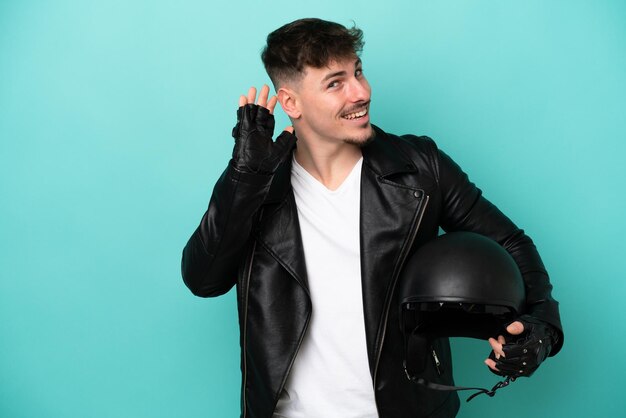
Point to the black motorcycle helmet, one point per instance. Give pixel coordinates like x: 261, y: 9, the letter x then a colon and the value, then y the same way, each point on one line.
x: 460, y: 284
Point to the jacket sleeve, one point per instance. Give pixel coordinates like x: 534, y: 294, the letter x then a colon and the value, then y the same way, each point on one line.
x: 464, y: 208
x: 215, y: 251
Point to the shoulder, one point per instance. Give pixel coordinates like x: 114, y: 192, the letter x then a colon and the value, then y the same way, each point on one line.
x: 420, y: 151
x: 407, y: 143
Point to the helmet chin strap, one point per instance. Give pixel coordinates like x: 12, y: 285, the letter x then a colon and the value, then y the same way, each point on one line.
x: 416, y: 354
x: 436, y: 386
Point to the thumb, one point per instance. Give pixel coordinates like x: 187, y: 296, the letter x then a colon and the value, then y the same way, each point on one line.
x: 515, y: 328
x: 286, y: 140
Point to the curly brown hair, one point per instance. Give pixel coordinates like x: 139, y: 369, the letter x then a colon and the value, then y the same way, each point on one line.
x: 308, y: 42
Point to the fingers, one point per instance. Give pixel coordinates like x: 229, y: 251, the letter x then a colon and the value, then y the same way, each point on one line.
x: 265, y: 91
x: 491, y: 364
x: 251, y: 95
x: 515, y: 328
x: 496, y: 346
x: 271, y: 104
x: 262, y: 100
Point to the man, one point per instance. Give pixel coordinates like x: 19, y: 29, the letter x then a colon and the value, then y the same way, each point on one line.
x: 314, y: 237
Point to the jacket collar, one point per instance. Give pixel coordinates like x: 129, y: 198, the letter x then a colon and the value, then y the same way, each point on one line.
x: 380, y: 155
x: 384, y: 158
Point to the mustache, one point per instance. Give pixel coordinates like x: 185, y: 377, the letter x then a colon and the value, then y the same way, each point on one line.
x: 356, y: 107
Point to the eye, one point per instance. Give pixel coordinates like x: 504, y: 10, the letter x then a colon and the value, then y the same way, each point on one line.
x: 358, y: 73
x: 333, y: 84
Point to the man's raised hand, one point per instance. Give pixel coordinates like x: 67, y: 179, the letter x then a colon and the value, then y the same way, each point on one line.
x: 254, y: 150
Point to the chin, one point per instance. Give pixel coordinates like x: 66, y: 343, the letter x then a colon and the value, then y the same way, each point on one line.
x: 364, y: 137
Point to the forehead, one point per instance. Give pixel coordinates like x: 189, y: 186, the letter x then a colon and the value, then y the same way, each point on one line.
x: 334, y: 67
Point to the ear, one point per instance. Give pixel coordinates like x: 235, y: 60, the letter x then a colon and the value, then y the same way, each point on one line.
x: 288, y: 100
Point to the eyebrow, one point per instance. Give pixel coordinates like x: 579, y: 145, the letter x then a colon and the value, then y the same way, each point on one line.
x: 340, y: 73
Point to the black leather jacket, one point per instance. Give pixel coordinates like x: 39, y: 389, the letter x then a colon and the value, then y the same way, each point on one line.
x: 250, y: 237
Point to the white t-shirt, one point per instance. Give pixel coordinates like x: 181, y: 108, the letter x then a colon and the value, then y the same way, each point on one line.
x: 330, y: 376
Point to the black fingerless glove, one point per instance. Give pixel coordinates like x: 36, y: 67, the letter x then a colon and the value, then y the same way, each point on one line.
x: 254, y: 150
x: 525, y: 352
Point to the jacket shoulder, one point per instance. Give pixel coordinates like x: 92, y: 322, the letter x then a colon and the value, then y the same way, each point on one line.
x: 407, y: 142
x: 420, y: 151
x: 414, y: 143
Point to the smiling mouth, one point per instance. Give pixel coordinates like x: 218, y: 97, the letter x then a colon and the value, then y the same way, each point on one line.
x: 356, y: 115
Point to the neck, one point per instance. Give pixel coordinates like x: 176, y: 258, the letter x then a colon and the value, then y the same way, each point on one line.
x: 330, y: 164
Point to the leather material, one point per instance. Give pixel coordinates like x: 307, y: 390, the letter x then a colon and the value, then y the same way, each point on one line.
x: 524, y: 353
x: 250, y: 237
x: 254, y: 150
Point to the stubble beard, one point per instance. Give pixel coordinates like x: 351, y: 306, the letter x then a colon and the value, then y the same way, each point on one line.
x: 361, y: 142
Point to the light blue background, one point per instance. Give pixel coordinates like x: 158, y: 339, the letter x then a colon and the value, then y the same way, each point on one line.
x: 115, y: 122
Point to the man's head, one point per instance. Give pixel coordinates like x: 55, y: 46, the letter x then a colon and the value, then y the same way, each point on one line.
x: 308, y: 43
x: 317, y: 73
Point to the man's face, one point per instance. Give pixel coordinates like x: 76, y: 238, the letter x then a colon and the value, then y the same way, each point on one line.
x: 334, y: 103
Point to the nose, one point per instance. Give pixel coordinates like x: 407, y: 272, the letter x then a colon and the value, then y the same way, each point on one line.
x: 360, y: 90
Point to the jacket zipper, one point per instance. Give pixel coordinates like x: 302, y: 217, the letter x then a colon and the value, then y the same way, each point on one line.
x: 437, y: 362
x: 397, y: 269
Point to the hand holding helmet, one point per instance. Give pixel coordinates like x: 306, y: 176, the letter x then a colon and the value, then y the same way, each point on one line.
x: 529, y: 343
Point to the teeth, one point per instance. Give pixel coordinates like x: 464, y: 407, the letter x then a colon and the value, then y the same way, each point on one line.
x: 356, y: 115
